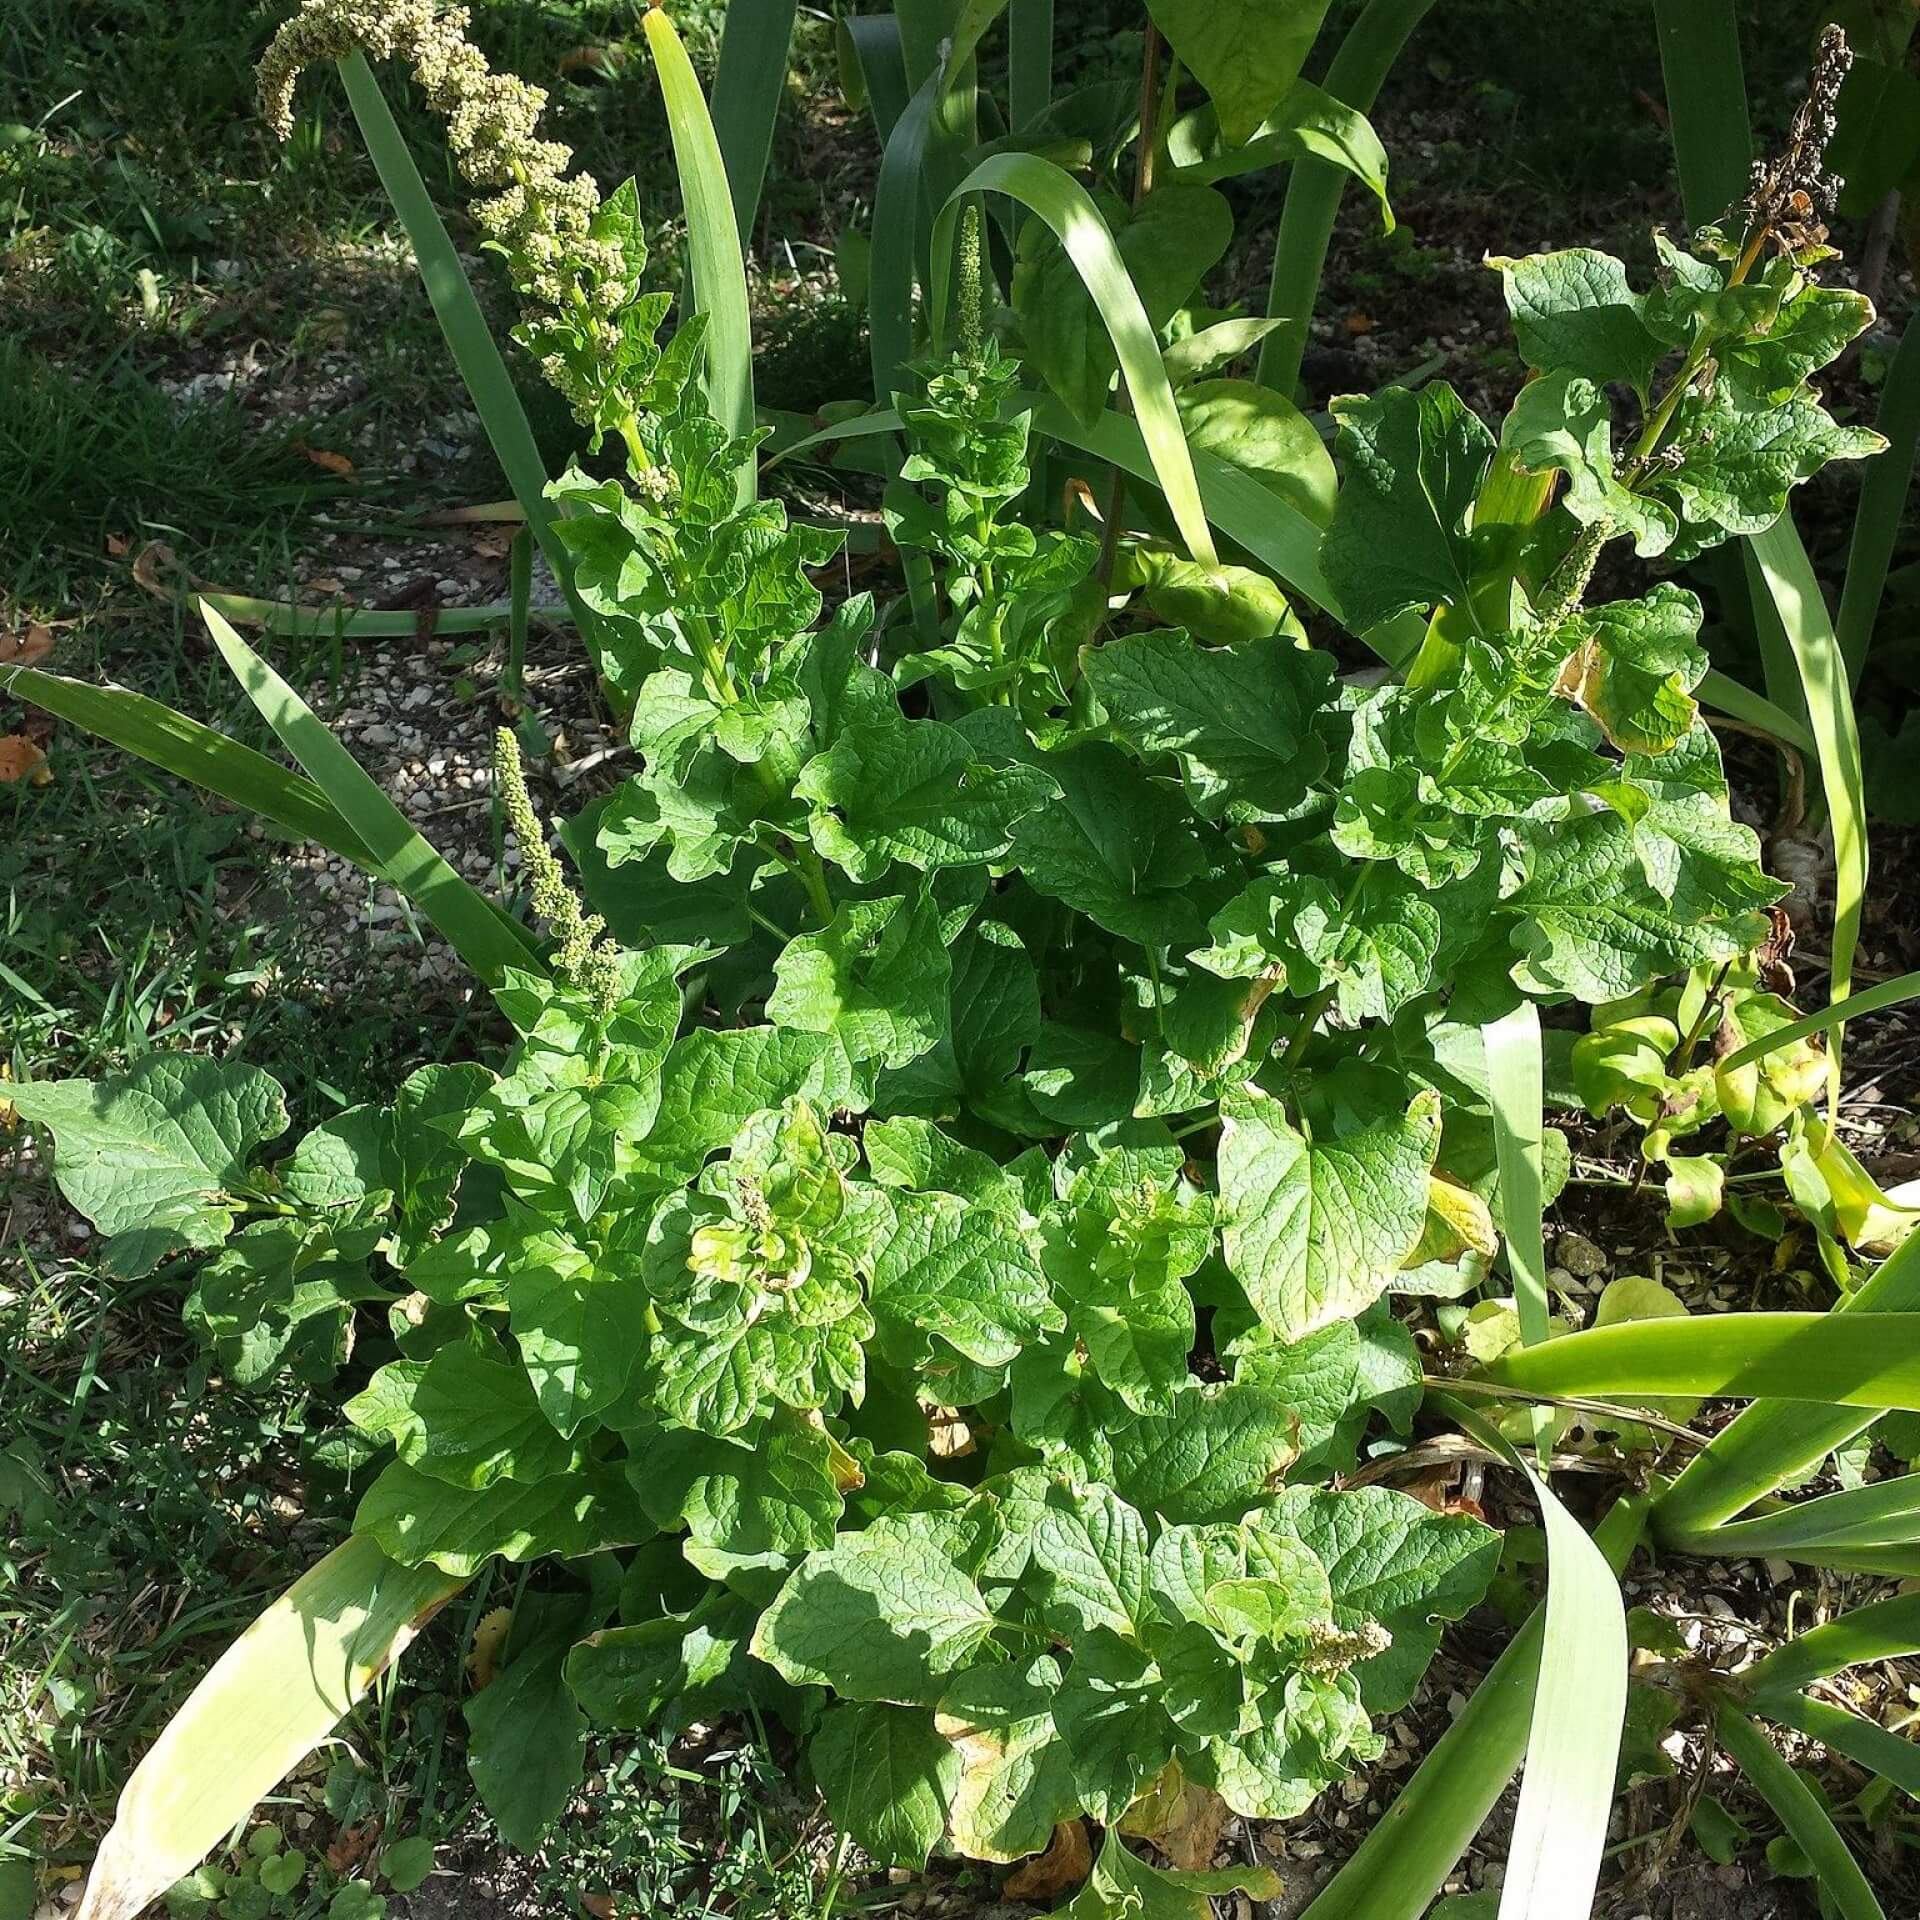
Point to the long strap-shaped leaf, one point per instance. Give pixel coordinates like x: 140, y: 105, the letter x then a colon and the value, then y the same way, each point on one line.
x: 1782, y: 560
x: 1883, y: 1513
x: 1516, y: 1090
x: 268, y: 1701
x: 1885, y: 1630
x: 1579, y: 1707
x: 896, y: 228
x: 1839, y: 1359
x: 1800, y: 1813
x: 1726, y: 695
x: 1889, y: 993
x: 747, y: 87
x: 713, y: 238
x: 1354, y: 77
x: 1891, y: 1755
x: 1029, y: 60
x: 1883, y: 504
x: 873, y: 68
x: 482, y: 936
x: 178, y: 745
x: 1776, y: 1442
x: 469, y: 340
x: 1706, y: 102
x: 356, y: 623
x: 1405, y: 1859
x: 1065, y: 205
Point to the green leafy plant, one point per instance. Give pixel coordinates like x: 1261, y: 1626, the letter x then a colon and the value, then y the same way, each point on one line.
x: 940, y: 1212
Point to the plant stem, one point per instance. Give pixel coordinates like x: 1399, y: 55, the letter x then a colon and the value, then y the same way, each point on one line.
x: 1683, y: 1053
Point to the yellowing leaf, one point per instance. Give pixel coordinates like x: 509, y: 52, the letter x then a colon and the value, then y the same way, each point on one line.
x: 1458, y: 1222
x: 489, y: 1642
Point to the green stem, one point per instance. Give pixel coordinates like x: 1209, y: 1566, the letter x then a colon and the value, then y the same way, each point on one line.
x: 765, y: 925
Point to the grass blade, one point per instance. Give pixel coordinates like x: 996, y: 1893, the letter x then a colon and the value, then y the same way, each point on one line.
x: 179, y: 745
x: 747, y: 88
x: 1835, y: 1358
x: 1889, y: 993
x: 477, y: 930
x: 1802, y: 613
x: 1886, y: 1630
x: 1405, y: 1859
x: 1354, y: 78
x: 1774, y: 1442
x: 1029, y: 61
x: 970, y: 27
x: 925, y: 25
x: 1890, y: 1755
x: 1883, y: 504
x: 1800, y: 1813
x: 1066, y: 206
x: 469, y: 340
x: 268, y: 1701
x: 713, y: 240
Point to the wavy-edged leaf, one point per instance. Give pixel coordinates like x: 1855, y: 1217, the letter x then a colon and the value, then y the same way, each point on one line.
x: 1060, y: 200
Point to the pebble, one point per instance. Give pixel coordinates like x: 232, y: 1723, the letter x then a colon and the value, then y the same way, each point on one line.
x: 1580, y: 1256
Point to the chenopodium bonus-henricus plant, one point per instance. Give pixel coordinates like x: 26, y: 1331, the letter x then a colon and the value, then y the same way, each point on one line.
x: 952, y: 1257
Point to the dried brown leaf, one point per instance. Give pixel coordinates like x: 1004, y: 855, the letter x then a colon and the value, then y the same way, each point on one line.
x: 1067, y: 1861
x: 1183, y: 1820
x: 20, y: 759
x: 26, y: 648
